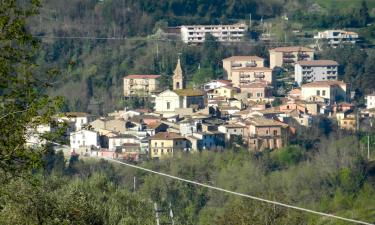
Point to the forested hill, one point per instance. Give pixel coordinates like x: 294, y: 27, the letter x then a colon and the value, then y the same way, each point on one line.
x: 92, y: 68
x: 139, y: 17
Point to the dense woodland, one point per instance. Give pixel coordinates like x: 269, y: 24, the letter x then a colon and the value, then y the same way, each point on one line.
x: 324, y: 169
x: 91, y: 70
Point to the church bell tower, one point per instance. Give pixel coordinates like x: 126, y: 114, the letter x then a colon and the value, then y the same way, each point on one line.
x: 178, y: 78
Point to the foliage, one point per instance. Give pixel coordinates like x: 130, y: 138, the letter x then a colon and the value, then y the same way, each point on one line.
x: 24, y: 103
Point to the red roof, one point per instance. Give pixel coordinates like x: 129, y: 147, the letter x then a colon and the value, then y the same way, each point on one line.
x: 142, y: 76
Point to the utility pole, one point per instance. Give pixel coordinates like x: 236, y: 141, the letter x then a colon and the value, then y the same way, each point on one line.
x: 134, y: 183
x: 368, y: 142
x: 157, y: 213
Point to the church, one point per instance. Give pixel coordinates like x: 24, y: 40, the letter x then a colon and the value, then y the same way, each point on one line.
x: 179, y: 100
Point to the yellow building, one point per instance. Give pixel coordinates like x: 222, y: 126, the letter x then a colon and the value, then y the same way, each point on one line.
x: 347, y: 120
x: 244, y: 76
x: 140, y: 84
x: 164, y: 144
x: 226, y: 92
x: 236, y: 62
x: 283, y: 56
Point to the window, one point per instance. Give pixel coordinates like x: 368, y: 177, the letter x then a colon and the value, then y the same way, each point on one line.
x: 155, y: 151
x: 275, y: 132
x: 324, y: 93
x: 162, y: 151
x: 318, y: 92
x: 156, y: 144
x: 266, y: 131
x: 162, y: 144
x: 168, y: 105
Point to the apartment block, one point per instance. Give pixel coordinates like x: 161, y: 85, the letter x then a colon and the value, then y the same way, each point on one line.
x: 140, y: 84
x: 243, y: 76
x: 224, y: 33
x: 288, y: 56
x: 315, y: 70
x: 236, y: 62
x: 337, y: 37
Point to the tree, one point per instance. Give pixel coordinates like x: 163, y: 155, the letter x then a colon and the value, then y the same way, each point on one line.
x: 363, y: 15
x: 23, y: 101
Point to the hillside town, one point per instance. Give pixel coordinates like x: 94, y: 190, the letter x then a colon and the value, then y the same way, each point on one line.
x: 241, y: 110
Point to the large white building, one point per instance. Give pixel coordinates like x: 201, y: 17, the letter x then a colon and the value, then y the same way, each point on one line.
x: 315, y: 70
x: 84, y: 139
x: 370, y: 101
x: 332, y: 91
x: 223, y: 33
x: 337, y: 37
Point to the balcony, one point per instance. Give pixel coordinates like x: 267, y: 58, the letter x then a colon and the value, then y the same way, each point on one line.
x: 289, y: 55
x: 303, y: 56
x: 251, y: 64
x: 259, y: 75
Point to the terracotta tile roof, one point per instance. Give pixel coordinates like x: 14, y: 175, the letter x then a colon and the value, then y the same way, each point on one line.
x: 263, y: 122
x: 243, y: 58
x: 142, y: 76
x: 317, y: 63
x: 324, y: 83
x: 253, y: 69
x: 227, y: 82
x: 292, y: 49
x: 166, y: 136
x: 295, y: 91
x: 189, y: 92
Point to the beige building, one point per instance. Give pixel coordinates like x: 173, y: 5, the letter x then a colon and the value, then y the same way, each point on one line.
x: 262, y: 133
x: 284, y: 56
x: 140, y: 84
x: 165, y: 144
x: 331, y: 90
x: 257, y: 90
x: 243, y: 76
x: 226, y: 92
x: 236, y: 62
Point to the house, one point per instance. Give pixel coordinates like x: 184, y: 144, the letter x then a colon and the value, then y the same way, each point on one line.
x: 257, y: 90
x: 225, y: 91
x: 130, y: 152
x: 77, y: 119
x: 347, y: 120
x: 193, y: 34
x: 84, y: 140
x: 370, y: 101
x: 216, y: 84
x: 206, y: 141
x: 337, y: 37
x: 333, y: 91
x: 231, y: 129
x: 295, y: 94
x: 35, y: 135
x: 116, y: 142
x: 190, y: 126
x: 227, y: 111
x: 315, y: 70
x: 165, y: 144
x: 169, y: 101
x: 109, y: 123
x: 140, y: 84
x: 262, y: 133
x: 287, y: 56
x: 243, y: 76
x: 235, y: 62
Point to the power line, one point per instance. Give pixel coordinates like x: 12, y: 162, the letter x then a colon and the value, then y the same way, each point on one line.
x: 240, y: 194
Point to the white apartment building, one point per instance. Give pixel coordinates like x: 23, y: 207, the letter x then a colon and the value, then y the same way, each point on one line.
x: 224, y: 33
x: 315, y: 70
x: 336, y: 37
x: 370, y: 101
x: 86, y: 139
